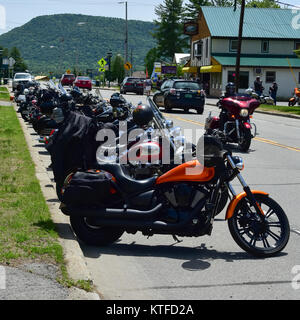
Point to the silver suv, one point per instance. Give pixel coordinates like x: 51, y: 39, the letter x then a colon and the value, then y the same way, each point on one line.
x: 21, y: 77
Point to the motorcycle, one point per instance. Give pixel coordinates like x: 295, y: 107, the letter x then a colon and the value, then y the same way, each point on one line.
x: 263, y: 99
x: 181, y: 202
x: 233, y: 125
x: 296, y: 97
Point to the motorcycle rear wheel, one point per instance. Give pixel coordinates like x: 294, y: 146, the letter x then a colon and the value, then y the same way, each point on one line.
x: 94, y: 235
x: 260, y: 237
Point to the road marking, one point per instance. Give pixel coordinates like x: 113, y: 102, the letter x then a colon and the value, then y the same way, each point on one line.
x: 274, y: 143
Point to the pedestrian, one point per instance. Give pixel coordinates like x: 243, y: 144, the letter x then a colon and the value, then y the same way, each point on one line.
x: 258, y: 87
x: 148, y: 86
x: 273, y: 91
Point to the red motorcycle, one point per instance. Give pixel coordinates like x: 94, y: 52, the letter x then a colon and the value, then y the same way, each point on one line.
x: 233, y: 125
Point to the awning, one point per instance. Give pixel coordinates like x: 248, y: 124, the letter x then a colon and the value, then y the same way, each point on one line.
x: 40, y: 78
x: 189, y: 69
x: 212, y: 68
x: 279, y: 61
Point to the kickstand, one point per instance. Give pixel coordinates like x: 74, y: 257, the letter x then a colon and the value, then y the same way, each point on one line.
x: 176, y: 239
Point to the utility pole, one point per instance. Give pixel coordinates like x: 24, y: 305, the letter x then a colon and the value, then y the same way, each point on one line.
x: 126, y: 32
x: 238, y: 55
x: 131, y: 61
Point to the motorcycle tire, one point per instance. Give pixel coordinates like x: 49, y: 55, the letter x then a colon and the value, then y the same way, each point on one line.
x: 94, y: 235
x: 244, y: 145
x: 261, y: 238
x: 167, y: 106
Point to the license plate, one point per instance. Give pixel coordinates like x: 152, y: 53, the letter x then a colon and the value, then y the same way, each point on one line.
x: 188, y: 96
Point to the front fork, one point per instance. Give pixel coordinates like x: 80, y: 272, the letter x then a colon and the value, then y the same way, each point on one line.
x: 246, y: 188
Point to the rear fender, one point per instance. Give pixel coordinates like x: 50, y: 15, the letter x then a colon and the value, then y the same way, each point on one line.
x: 237, y: 199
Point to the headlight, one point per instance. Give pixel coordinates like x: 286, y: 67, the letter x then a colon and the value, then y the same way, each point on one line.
x: 244, y: 113
x: 238, y: 161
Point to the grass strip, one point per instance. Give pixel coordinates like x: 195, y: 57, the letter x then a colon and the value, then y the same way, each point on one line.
x: 285, y: 109
x: 27, y: 232
x: 4, y: 94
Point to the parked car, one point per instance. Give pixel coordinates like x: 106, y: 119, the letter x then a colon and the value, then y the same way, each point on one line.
x: 181, y: 94
x: 131, y: 84
x: 21, y: 78
x: 83, y: 82
x: 67, y: 79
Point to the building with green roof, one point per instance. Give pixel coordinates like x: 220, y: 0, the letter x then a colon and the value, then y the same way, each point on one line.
x: 270, y: 37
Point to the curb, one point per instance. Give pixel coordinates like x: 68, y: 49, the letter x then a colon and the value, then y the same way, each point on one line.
x: 293, y: 116
x: 75, y: 263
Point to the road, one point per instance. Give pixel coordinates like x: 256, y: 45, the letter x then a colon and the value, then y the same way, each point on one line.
x: 213, y: 267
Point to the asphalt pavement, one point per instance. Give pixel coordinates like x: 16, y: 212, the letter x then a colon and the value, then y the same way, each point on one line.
x: 213, y: 267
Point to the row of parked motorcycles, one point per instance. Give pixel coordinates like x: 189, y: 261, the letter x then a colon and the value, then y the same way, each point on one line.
x: 124, y: 168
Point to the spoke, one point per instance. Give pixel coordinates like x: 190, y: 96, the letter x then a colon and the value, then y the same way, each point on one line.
x: 265, y: 242
x: 253, y: 240
x: 273, y: 235
x: 269, y: 213
x: 274, y: 224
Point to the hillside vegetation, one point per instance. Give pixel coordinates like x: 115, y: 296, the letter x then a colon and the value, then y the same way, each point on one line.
x: 54, y: 43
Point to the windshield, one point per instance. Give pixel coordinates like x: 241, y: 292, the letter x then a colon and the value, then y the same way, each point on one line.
x: 187, y: 85
x: 22, y: 76
x: 69, y: 76
x: 83, y: 78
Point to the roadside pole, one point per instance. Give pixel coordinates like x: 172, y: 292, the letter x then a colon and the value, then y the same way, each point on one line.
x: 238, y: 55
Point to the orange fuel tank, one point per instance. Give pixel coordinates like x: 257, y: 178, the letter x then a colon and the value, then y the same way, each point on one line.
x: 191, y: 171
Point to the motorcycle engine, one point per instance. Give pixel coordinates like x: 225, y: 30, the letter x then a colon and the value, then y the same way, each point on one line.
x: 184, y: 196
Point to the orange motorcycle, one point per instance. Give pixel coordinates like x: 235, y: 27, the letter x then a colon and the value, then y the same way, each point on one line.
x: 182, y: 202
x: 296, y: 97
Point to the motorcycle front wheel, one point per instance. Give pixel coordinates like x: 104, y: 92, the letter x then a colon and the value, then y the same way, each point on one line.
x: 261, y: 236
x: 245, y: 140
x: 94, y: 235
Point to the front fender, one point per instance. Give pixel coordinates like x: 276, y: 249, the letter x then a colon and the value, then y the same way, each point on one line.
x: 247, y: 125
x: 237, y: 199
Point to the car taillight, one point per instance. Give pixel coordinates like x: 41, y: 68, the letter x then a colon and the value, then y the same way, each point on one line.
x: 173, y: 91
x: 127, y: 84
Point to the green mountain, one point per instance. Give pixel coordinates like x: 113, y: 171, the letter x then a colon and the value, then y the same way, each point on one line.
x: 55, y: 43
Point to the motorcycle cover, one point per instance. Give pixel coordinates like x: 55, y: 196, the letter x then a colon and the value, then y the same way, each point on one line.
x: 74, y: 146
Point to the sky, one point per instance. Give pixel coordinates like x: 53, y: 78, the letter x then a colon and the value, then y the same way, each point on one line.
x: 14, y: 13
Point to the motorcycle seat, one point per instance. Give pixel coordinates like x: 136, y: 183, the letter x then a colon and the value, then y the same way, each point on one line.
x: 126, y: 183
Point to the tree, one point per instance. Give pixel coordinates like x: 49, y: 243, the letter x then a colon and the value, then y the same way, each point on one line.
x: 169, y: 28
x: 117, y: 68
x: 20, y: 65
x: 262, y: 4
x: 192, y: 8
x: 151, y: 57
x: 222, y: 3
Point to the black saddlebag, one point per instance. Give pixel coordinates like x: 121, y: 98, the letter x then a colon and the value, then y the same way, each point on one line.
x: 88, y: 188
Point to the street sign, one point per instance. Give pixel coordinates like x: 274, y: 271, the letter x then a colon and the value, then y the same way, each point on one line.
x: 12, y: 61
x: 127, y: 65
x: 102, y: 62
x: 101, y: 69
x: 68, y: 71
